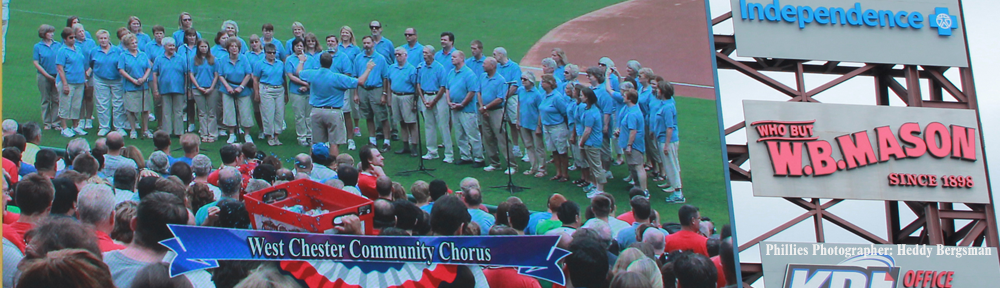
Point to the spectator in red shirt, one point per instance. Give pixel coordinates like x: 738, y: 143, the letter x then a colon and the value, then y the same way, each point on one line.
x: 233, y: 157
x: 95, y: 207
x: 371, y: 169
x: 34, y: 196
x: 688, y: 238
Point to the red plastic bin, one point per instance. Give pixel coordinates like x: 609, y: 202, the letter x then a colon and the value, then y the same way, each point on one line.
x: 266, y: 207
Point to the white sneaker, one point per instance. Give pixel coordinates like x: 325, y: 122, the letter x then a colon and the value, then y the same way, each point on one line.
x: 572, y: 168
x: 510, y: 171
x: 608, y: 174
x: 103, y: 132
x: 232, y: 139
x: 191, y: 128
x: 350, y: 145
x: 449, y: 159
x: 628, y: 178
x: 526, y: 158
x: 89, y: 124
x: 517, y: 153
x: 134, y: 134
x: 430, y: 156
x: 68, y: 133
x: 247, y: 138
x: 261, y: 135
x: 489, y: 168
x: 149, y: 135
x: 223, y: 132
x: 79, y: 131
x: 152, y: 117
x: 593, y: 193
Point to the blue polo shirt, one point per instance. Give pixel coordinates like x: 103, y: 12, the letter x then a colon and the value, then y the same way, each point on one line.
x: 632, y: 120
x: 415, y: 54
x: 234, y: 72
x: 46, y: 56
x: 86, y: 46
x: 74, y: 64
x: 204, y: 73
x: 255, y: 58
x: 270, y: 73
x: 279, y: 48
x: 553, y: 108
x: 244, y: 48
x: 387, y: 50
x: 105, y: 64
x: 135, y: 66
x: 292, y: 63
x: 475, y: 64
x: 288, y: 48
x: 615, y: 83
x: 154, y: 50
x: 445, y: 59
x: 351, y: 51
x: 527, y: 102
x: 460, y: 83
x: 143, y: 39
x: 379, y: 72
x: 668, y: 118
x: 327, y: 87
x: 604, y: 100
x: 188, y: 51
x: 511, y: 72
x: 170, y: 73
x: 340, y: 63
x: 219, y: 53
x: 492, y: 88
x: 179, y: 36
x: 558, y: 73
x: 431, y: 77
x: 594, y: 119
x: 403, y: 79
x: 645, y: 96
x: 575, y: 116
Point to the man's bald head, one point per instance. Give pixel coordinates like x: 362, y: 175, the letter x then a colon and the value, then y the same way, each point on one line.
x: 473, y: 198
x: 656, y: 239
x: 115, y: 141
x: 303, y: 163
x: 384, y: 187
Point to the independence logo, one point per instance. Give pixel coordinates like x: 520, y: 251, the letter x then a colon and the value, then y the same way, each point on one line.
x: 853, y: 16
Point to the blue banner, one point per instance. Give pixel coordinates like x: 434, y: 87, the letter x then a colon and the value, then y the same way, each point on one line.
x: 200, y: 247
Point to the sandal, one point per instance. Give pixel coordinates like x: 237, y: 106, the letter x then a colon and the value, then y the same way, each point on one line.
x: 554, y: 178
x: 563, y: 179
x: 579, y: 181
x: 540, y: 174
x: 530, y: 172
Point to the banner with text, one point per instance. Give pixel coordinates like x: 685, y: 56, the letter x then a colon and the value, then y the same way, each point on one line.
x: 865, y: 152
x: 201, y: 247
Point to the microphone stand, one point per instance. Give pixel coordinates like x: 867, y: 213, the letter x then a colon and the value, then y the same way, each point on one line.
x: 510, y: 186
x: 420, y: 167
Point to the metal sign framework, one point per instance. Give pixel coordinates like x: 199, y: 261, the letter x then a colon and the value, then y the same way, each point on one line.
x: 936, y: 218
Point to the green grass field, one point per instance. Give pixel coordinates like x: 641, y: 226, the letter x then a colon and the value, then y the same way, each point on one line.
x: 516, y: 25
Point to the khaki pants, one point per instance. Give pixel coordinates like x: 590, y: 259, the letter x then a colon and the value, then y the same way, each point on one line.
x: 231, y: 105
x: 302, y: 111
x: 494, y: 139
x: 272, y: 108
x: 328, y: 126
x: 110, y: 103
x: 436, y: 120
x: 49, y: 97
x: 205, y: 104
x: 173, y: 113
x: 592, y: 155
x: 536, y: 148
x: 467, y: 133
x: 71, y: 103
x: 673, y: 165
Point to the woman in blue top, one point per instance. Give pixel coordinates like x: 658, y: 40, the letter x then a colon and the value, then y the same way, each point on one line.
x: 298, y: 32
x: 269, y: 77
x: 168, y: 84
x: 71, y: 66
x: 299, y: 91
x: 188, y: 50
x: 527, y: 110
x: 233, y: 30
x: 575, y: 124
x: 652, y: 105
x: 43, y: 56
x: 134, y: 25
x: 220, y: 53
x: 204, y: 78
x: 256, y: 54
x: 312, y: 45
x: 234, y: 75
x: 135, y: 70
x: 84, y: 44
x: 590, y: 141
x: 107, y: 84
x: 552, y: 116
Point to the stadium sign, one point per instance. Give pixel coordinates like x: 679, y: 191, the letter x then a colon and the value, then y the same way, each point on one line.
x: 865, y: 152
x: 894, y: 32
x: 826, y: 265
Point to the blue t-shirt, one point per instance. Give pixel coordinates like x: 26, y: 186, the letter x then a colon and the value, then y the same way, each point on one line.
x: 169, y: 72
x: 73, y: 63
x: 105, y: 64
x: 135, y: 66
x: 204, y: 74
x: 668, y: 116
x: 340, y: 63
x: 327, y: 87
x: 431, y: 77
x: 492, y: 88
x: 85, y: 47
x: 234, y: 72
x: 46, y: 56
x: 270, y: 73
x: 144, y: 39
x: 485, y: 220
x: 553, y: 108
x: 632, y: 120
x: 645, y: 96
x: 219, y: 52
x: 415, y: 54
x: 155, y: 50
x: 511, y: 71
x: 528, y: 102
x: 475, y: 64
x: 533, y: 221
x: 350, y: 52
x: 403, y: 79
x: 279, y: 49
x: 379, y: 72
x: 387, y: 50
x: 460, y: 83
x: 445, y: 59
x: 291, y: 64
x: 255, y: 58
x: 604, y: 100
x: 593, y: 118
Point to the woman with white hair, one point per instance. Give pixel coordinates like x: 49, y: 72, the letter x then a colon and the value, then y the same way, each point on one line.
x: 168, y: 83
x: 529, y: 97
x: 135, y: 69
x: 569, y: 75
x: 648, y: 268
x: 107, y: 84
x: 233, y: 29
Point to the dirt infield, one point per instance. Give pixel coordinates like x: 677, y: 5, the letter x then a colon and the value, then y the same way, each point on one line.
x: 669, y: 36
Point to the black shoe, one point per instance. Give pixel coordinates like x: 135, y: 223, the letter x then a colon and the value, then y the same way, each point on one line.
x: 414, y: 152
x: 404, y: 150
x: 395, y: 137
x: 479, y: 164
x: 463, y: 162
x: 385, y: 147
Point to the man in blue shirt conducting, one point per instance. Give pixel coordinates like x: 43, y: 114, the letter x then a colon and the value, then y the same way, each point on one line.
x: 326, y: 96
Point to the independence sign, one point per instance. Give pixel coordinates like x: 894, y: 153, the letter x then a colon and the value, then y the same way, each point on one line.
x: 873, y: 31
x: 813, y: 150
